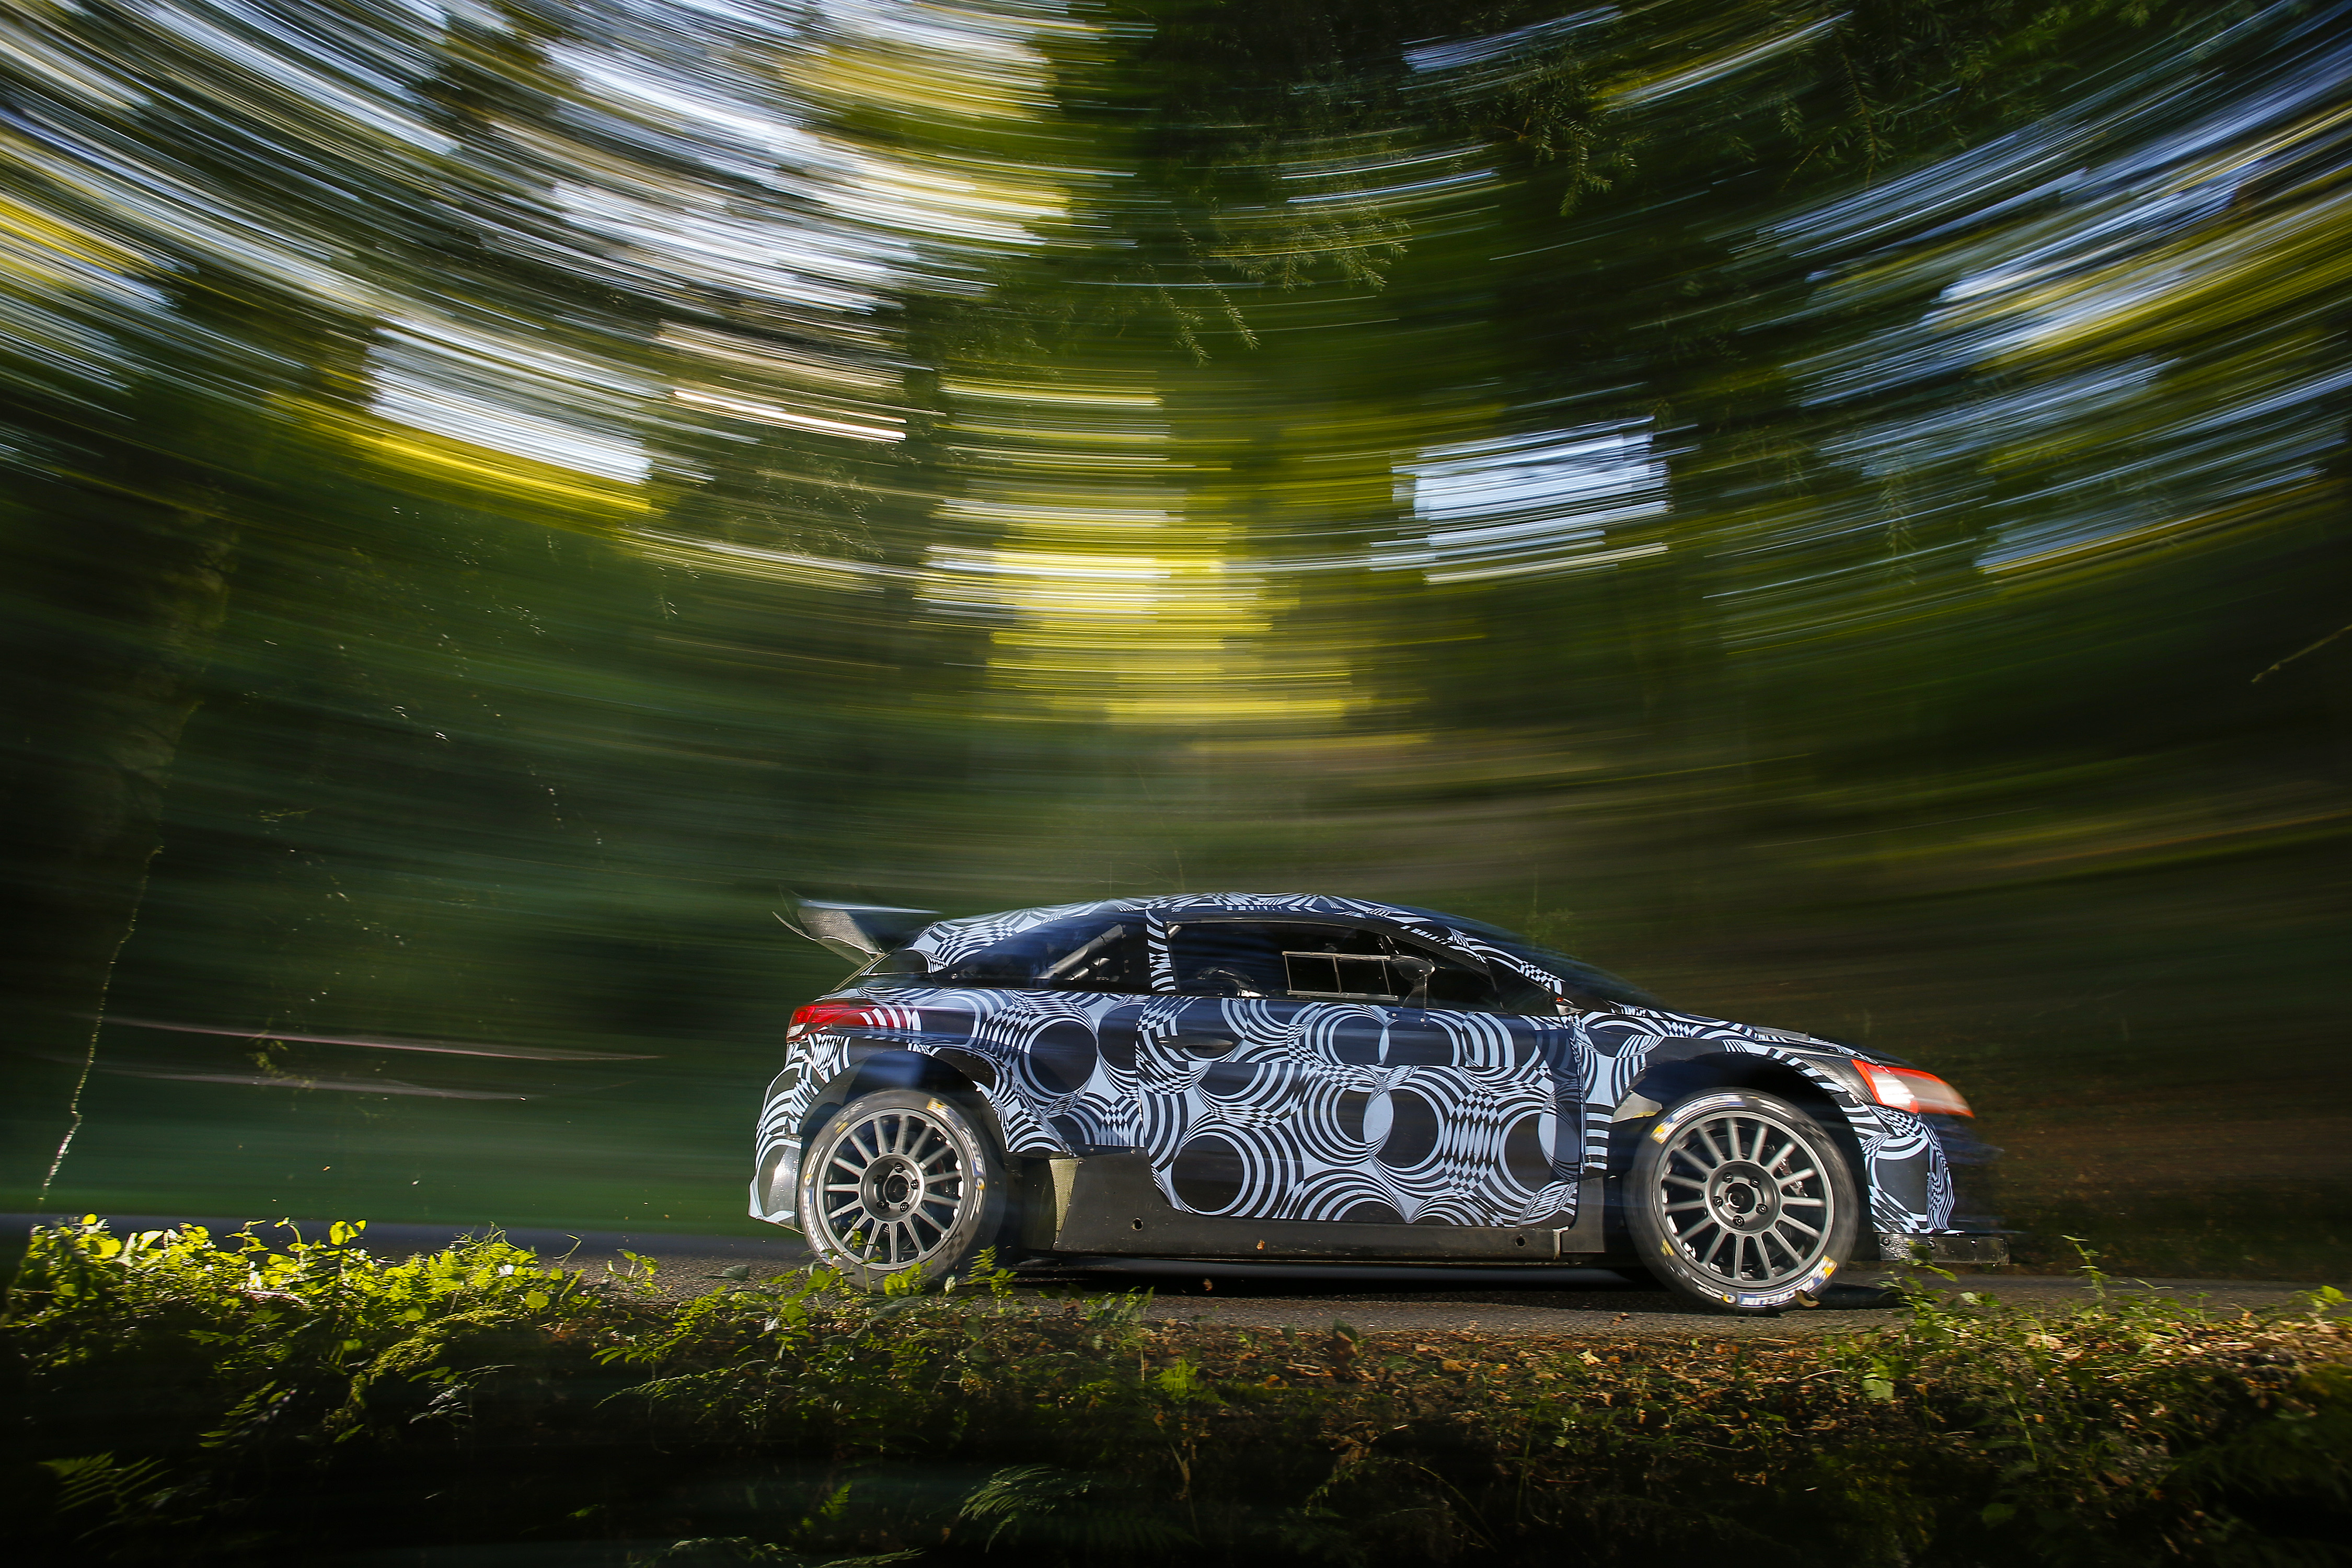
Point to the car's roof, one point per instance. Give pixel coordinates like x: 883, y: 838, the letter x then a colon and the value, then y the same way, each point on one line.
x: 949, y: 941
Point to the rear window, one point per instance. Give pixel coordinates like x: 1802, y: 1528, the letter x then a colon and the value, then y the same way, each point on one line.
x: 1084, y: 953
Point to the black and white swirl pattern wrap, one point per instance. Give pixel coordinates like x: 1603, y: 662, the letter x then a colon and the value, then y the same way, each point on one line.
x: 1339, y: 1111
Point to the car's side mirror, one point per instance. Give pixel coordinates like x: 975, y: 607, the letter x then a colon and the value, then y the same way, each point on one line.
x: 1417, y: 970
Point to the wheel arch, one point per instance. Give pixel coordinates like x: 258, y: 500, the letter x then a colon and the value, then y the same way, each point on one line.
x: 1669, y: 1081
x: 1666, y: 1082
x: 894, y: 1067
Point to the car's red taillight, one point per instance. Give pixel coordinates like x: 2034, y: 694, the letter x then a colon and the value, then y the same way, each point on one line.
x: 819, y: 1015
x: 1907, y: 1089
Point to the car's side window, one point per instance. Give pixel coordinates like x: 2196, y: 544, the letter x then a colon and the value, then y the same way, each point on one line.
x: 1086, y: 953
x: 1497, y: 989
x: 1114, y: 959
x: 1236, y: 958
x: 1335, y: 963
x: 1363, y: 966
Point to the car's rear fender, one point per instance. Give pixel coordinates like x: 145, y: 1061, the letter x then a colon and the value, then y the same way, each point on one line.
x: 862, y: 1064
x: 830, y: 1069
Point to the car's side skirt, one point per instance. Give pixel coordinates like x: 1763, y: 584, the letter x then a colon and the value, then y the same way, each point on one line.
x: 1107, y: 1204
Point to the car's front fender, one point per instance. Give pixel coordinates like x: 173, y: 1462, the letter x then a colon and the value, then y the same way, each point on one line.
x: 1906, y: 1179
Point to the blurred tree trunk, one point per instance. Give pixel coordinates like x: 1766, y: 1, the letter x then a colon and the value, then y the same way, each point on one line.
x: 132, y: 537
x: 85, y: 807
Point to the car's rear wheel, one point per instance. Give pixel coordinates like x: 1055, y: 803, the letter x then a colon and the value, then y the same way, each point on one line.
x: 1739, y: 1202
x: 901, y: 1181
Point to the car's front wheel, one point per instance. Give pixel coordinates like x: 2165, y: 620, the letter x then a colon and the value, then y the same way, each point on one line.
x: 1739, y: 1202
x: 901, y: 1180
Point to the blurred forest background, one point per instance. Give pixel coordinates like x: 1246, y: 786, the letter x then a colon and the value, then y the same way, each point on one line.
x: 1837, y: 513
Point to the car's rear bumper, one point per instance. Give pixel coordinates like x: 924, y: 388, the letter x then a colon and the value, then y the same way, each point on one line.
x: 1970, y: 1249
x: 775, y: 1188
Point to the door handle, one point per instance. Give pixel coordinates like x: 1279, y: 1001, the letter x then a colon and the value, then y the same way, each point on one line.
x: 1206, y: 1047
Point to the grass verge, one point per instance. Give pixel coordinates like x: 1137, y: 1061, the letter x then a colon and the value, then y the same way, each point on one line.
x: 181, y: 1401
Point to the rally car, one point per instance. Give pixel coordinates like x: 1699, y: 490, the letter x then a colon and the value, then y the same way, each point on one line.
x: 1289, y: 1076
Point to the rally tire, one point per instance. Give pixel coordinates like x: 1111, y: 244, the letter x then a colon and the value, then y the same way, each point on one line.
x: 902, y: 1179
x: 1738, y: 1202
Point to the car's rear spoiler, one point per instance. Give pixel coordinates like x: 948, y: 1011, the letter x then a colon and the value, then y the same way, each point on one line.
x: 860, y: 931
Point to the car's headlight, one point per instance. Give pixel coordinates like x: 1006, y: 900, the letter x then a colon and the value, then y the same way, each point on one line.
x: 1908, y: 1089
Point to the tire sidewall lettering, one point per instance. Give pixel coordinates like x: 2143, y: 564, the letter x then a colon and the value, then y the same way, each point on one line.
x: 978, y: 1216
x: 1682, y: 1274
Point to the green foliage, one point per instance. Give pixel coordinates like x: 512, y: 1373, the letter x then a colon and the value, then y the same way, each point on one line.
x: 96, y: 1494
x: 196, y: 1404
x: 308, y: 1296
x: 1043, y: 1507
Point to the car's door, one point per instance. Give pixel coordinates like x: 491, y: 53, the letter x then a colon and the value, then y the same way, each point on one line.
x: 1492, y: 1099
x: 1350, y: 1073
x: 1223, y: 1080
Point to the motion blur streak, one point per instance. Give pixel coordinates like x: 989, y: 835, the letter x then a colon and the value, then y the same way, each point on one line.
x: 1836, y: 512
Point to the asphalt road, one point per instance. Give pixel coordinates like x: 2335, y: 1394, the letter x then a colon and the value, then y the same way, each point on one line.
x: 1372, y: 1299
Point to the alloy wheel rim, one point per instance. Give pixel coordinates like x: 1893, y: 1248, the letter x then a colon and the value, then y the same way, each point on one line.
x: 1745, y: 1200
x: 892, y: 1188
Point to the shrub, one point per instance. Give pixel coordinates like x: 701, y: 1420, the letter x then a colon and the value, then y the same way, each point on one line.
x: 195, y: 1402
